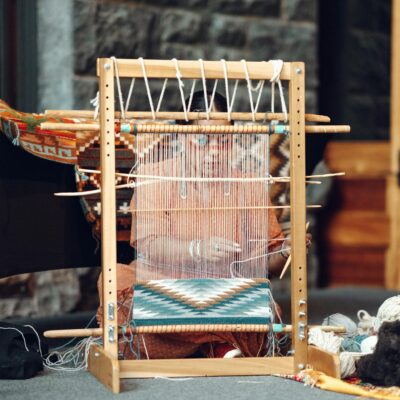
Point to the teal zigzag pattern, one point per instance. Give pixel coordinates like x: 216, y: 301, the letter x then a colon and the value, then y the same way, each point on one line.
x: 202, y: 301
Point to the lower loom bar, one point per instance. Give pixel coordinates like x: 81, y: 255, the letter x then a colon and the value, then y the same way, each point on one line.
x: 67, y: 333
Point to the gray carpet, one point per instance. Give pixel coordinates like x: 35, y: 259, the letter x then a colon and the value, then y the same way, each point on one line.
x: 81, y: 385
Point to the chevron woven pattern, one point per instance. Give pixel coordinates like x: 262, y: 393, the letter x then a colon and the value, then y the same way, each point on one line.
x: 202, y: 301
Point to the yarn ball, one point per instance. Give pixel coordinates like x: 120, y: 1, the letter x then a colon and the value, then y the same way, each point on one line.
x: 389, y: 310
x: 342, y: 320
x: 368, y: 344
x: 353, y: 344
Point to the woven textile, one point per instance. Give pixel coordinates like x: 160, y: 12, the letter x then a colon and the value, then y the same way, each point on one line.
x: 202, y: 301
x: 81, y: 148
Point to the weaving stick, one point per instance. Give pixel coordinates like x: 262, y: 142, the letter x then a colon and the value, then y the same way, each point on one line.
x: 85, y: 332
x: 289, y: 259
x: 194, y: 129
x: 177, y: 115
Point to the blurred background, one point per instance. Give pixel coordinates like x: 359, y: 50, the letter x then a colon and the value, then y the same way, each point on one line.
x: 48, y: 61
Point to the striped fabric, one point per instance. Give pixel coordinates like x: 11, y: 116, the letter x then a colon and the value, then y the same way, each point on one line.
x: 202, y: 301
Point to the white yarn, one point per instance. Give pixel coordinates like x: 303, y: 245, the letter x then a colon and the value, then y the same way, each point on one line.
x: 162, y: 94
x: 348, y: 363
x: 203, y: 80
x: 121, y: 100
x: 367, y: 324
x: 213, y: 95
x: 95, y: 102
x: 389, y: 311
x: 128, y: 99
x: 229, y: 102
x: 278, y: 65
x: 74, y: 359
x: 251, y: 88
x: 189, y: 105
x: 325, y: 340
x: 368, y: 345
x: 146, y: 82
x: 181, y: 86
x: 15, y: 329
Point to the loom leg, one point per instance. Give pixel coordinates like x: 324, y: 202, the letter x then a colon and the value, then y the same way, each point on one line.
x: 104, y: 368
x: 324, y: 361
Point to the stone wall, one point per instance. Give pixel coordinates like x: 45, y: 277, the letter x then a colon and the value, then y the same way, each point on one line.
x: 191, y: 29
x: 355, y: 58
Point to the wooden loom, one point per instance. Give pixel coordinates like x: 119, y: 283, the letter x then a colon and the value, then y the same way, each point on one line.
x: 103, y: 360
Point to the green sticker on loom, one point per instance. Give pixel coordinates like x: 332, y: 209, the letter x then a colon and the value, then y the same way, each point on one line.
x: 125, y: 128
x: 277, y: 328
x: 280, y: 129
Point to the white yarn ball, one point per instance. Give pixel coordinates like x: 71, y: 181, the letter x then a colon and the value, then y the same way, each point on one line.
x: 368, y: 344
x: 389, y: 310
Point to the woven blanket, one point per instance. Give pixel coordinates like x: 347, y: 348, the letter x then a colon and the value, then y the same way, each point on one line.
x: 81, y: 148
x: 202, y: 301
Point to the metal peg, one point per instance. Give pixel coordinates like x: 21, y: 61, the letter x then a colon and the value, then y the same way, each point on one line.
x: 110, y: 311
x: 111, y: 334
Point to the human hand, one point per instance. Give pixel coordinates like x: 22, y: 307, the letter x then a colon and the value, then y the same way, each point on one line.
x: 213, y: 249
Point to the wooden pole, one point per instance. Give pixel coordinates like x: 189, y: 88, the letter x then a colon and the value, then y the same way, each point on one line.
x: 188, y: 69
x: 298, y: 215
x: 192, y: 116
x: 392, y: 265
x: 86, y: 332
x: 194, y: 129
x: 108, y: 208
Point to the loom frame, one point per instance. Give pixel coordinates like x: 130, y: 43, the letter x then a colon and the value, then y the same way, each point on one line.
x: 103, y: 359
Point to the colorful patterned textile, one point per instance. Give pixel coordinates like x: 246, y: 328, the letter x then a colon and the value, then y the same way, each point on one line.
x: 23, y: 129
x: 81, y: 148
x: 352, y: 386
x: 202, y: 301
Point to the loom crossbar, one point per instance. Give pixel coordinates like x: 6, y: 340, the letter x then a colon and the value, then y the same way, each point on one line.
x: 163, y: 69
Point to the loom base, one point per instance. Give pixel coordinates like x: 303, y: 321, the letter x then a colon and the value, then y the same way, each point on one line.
x: 104, y: 368
x: 109, y: 371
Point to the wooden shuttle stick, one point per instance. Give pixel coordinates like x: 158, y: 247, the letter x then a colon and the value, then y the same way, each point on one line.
x: 196, y: 129
x: 289, y: 259
x: 178, y: 115
x: 66, y: 333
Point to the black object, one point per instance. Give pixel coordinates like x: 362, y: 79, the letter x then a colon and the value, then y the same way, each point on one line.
x: 382, y: 367
x: 15, y: 361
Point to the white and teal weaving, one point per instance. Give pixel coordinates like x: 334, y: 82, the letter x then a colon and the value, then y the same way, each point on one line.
x: 202, y: 301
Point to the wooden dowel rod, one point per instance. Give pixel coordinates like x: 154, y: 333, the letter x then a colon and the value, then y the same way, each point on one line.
x: 195, y: 129
x: 189, y: 69
x: 177, y: 115
x: 69, y: 333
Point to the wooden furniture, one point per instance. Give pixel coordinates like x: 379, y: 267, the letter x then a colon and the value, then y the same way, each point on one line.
x: 356, y: 228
